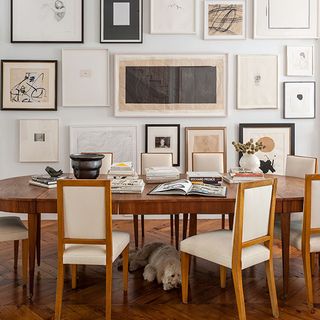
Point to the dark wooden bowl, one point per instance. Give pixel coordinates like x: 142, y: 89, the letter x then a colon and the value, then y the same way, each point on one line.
x: 86, y: 166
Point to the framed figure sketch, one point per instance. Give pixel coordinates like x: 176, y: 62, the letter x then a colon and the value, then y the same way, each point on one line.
x: 300, y: 61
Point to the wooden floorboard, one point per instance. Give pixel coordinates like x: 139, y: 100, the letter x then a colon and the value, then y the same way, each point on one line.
x: 148, y: 300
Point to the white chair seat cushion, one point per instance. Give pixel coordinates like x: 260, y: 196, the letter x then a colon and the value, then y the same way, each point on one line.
x: 95, y: 254
x: 12, y: 228
x: 217, y: 247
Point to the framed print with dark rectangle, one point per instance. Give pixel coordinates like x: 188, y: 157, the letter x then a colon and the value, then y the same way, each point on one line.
x: 47, y: 21
x: 299, y: 100
x: 164, y: 138
x: 205, y: 139
x: 29, y: 85
x: 121, y: 21
x: 278, y: 140
x: 170, y: 85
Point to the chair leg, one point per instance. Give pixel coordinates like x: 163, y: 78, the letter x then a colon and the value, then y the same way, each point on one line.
x: 74, y: 276
x: 308, y: 278
x: 38, y: 239
x: 136, y: 230
x: 25, y: 253
x: 142, y: 225
x: 185, y: 225
x: 223, y: 276
x: 171, y: 225
x: 16, y: 254
x: 59, y: 291
x: 176, y: 229
x: 238, y: 288
x: 185, y: 265
x: 108, y: 290
x: 223, y: 222
x: 125, y: 268
x: 272, y: 288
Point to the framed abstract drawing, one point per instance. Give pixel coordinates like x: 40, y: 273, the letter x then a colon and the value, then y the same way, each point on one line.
x: 300, y: 61
x: 170, y: 85
x: 29, y: 85
x: 173, y: 16
x: 164, y: 138
x: 39, y: 140
x: 257, y: 82
x: 299, y: 100
x: 121, y: 21
x: 47, y: 21
x: 205, y: 139
x: 278, y: 140
x: 85, y: 78
x: 224, y: 19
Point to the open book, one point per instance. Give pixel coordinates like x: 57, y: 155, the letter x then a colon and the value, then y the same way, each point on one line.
x: 186, y: 188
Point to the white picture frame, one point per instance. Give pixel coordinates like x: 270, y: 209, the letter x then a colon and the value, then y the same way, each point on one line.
x: 225, y: 20
x: 300, y: 61
x: 173, y: 17
x: 257, y: 82
x: 39, y: 140
x: 85, y: 78
x: 285, y: 19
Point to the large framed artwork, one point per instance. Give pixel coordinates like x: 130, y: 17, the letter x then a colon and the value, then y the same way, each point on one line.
x: 170, y: 85
x: 29, y: 85
x: 120, y: 140
x: 257, y: 82
x: 47, y: 21
x: 164, y: 138
x: 173, y: 16
x: 205, y: 139
x: 299, y: 100
x: 284, y: 19
x: 85, y: 78
x: 224, y: 19
x: 121, y: 21
x: 300, y: 61
x: 278, y: 140
x: 39, y: 140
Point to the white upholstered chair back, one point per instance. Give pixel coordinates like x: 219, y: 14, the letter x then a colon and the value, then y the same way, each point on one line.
x: 315, y: 204
x: 207, y: 161
x: 149, y: 160
x: 298, y: 166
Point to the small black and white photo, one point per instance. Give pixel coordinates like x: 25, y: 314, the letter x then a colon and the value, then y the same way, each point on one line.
x: 39, y: 137
x: 162, y: 142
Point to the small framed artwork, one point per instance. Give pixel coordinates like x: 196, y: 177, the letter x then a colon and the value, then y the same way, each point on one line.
x: 257, y: 82
x: 205, y: 139
x: 47, y: 21
x: 164, y: 138
x: 85, y: 78
x: 173, y: 16
x: 299, y: 100
x: 39, y: 140
x: 278, y: 140
x: 224, y: 19
x: 121, y: 21
x: 300, y: 61
x: 29, y: 85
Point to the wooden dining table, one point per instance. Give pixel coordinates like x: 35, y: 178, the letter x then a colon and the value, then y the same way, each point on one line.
x: 18, y: 196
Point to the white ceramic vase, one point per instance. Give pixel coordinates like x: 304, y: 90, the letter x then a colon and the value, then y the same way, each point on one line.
x: 250, y: 162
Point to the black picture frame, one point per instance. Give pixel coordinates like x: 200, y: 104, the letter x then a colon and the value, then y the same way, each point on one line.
x: 81, y: 40
x: 110, y: 33
x: 175, y: 150
x: 55, y: 83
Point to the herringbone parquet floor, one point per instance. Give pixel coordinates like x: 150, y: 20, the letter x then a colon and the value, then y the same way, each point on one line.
x: 144, y: 300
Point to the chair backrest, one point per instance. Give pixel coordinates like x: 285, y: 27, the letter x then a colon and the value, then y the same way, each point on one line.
x: 149, y: 160
x: 106, y: 161
x: 298, y: 166
x: 208, y: 161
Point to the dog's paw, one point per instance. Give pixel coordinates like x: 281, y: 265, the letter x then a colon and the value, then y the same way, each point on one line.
x: 149, y: 273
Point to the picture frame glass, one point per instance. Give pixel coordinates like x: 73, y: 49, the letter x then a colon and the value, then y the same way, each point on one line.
x: 300, y: 61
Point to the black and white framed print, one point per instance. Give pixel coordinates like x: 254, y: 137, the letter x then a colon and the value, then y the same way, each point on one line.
x: 300, y: 61
x: 121, y: 21
x: 47, y: 21
x: 299, y: 100
x: 29, y: 85
x: 164, y: 138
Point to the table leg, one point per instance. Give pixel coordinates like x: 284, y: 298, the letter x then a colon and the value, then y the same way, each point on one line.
x: 38, y: 239
x: 136, y: 230
x: 32, y: 233
x: 176, y: 225
x: 185, y: 225
x: 193, y: 225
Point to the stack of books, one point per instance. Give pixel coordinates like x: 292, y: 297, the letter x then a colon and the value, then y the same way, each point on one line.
x: 238, y: 175
x: 44, y: 181
x: 127, y: 186
x: 122, y: 169
x: 161, y: 174
x: 209, y: 177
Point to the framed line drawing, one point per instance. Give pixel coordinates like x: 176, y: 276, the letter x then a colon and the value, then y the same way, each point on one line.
x: 164, y: 138
x: 173, y: 16
x: 205, y: 139
x: 85, y: 78
x: 47, y: 21
x: 170, y: 85
x: 224, y: 19
x: 300, y: 61
x: 278, y: 139
x: 29, y: 85
x: 121, y: 21
x: 39, y: 140
x: 299, y: 100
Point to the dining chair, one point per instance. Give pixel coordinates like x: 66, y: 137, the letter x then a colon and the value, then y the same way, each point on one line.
x: 106, y: 161
x: 85, y: 235
x: 248, y: 244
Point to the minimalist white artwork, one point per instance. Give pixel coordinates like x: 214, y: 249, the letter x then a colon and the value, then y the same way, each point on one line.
x: 39, y: 140
x: 300, y: 61
x: 257, y: 85
x: 121, y: 13
x: 85, y: 77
